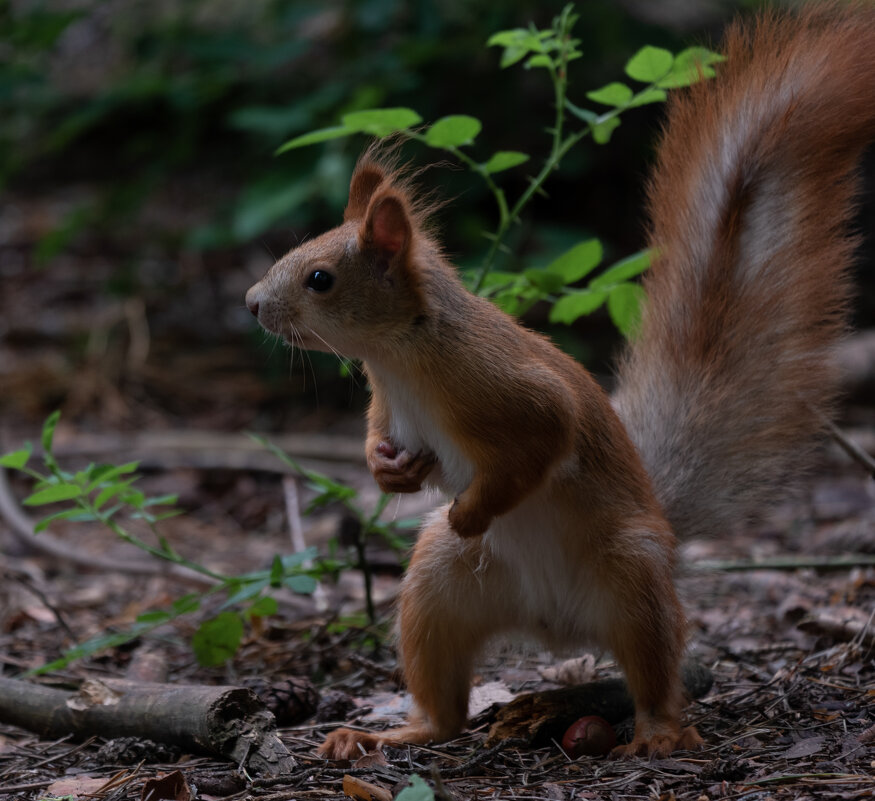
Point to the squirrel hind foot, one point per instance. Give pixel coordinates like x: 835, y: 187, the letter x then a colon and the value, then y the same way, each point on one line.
x: 351, y: 743
x: 660, y: 744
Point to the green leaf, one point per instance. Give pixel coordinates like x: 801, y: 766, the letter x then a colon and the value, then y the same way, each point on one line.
x: 539, y: 60
x: 517, y: 300
x: 601, y: 132
x: 417, y: 790
x: 614, y: 94
x: 263, y: 205
x: 693, y: 56
x: 547, y: 282
x: 506, y: 38
x: 49, y: 430
x: 296, y: 559
x: 322, y: 135
x: 161, y: 500
x: 245, y: 591
x: 277, y: 571
x: 381, y: 121
x: 453, y: 131
x: 577, y: 262
x: 512, y: 55
x: 624, y: 306
x: 622, y: 270
x: 576, y: 304
x: 517, y: 44
x: 263, y: 607
x: 187, y: 603
x: 497, y: 279
x: 16, y: 459
x: 133, y: 497
x: 154, y: 617
x: 648, y: 96
x: 77, y: 515
x: 689, y: 65
x: 504, y: 160
x: 110, y: 492
x: 302, y: 584
x: 217, y: 640
x: 104, y: 473
x: 53, y: 494
x: 649, y: 64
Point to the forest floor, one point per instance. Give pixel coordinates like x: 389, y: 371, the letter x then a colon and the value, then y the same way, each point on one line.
x: 791, y: 713
x: 787, y: 634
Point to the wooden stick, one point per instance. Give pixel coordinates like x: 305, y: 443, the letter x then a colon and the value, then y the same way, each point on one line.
x: 229, y: 722
x: 538, y: 717
x: 850, y: 448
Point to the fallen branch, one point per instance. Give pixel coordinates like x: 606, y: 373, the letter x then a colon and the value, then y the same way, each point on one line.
x: 850, y: 447
x: 213, y: 449
x: 538, y: 717
x: 789, y: 563
x: 228, y: 722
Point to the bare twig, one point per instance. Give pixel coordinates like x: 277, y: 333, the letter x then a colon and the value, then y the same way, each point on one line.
x: 851, y: 448
x: 293, y: 513
x: 28, y: 583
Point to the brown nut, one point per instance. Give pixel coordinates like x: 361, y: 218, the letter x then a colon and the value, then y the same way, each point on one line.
x: 589, y: 736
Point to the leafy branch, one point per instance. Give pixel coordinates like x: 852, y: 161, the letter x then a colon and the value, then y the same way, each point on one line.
x: 551, y: 49
x: 104, y: 493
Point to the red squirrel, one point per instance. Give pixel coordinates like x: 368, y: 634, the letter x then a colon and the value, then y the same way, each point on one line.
x: 566, y: 504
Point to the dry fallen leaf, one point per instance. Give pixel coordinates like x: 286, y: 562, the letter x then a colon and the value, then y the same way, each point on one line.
x: 371, y: 759
x: 364, y: 791
x: 91, y: 693
x: 572, y: 671
x: 172, y: 786
x: 485, y: 695
x: 76, y: 786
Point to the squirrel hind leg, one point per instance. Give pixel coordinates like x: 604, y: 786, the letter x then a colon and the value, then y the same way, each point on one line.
x: 647, y: 632
x: 451, y: 601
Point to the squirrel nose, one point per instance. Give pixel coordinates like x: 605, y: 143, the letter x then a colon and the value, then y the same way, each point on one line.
x: 252, y: 301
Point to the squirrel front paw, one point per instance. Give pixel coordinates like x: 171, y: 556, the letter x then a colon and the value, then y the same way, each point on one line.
x: 466, y: 520
x: 399, y: 470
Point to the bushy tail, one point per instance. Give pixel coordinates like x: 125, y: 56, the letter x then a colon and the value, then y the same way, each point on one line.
x: 725, y: 390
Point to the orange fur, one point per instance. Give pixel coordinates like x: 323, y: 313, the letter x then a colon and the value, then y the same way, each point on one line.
x: 556, y: 528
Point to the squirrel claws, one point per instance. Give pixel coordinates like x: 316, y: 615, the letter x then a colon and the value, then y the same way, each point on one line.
x: 660, y: 745
x: 399, y: 470
x: 348, y: 744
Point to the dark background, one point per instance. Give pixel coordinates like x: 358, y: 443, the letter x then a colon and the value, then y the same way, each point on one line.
x: 141, y: 196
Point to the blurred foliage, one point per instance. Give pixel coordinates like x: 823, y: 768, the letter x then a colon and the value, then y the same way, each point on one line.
x: 146, y: 134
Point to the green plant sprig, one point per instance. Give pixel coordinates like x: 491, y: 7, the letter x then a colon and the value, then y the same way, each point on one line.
x: 367, y: 522
x: 551, y: 49
x: 99, y: 493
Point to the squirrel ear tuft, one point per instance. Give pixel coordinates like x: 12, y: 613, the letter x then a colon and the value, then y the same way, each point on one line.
x: 387, y: 227
x: 365, y: 180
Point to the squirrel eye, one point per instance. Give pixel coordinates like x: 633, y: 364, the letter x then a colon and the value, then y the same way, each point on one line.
x: 320, y: 281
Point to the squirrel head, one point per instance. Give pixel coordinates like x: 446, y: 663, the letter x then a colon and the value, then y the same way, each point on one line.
x: 356, y: 288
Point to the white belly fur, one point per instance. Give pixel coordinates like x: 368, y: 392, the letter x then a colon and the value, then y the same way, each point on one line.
x: 415, y: 429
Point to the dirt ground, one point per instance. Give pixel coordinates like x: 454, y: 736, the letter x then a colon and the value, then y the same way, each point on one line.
x: 790, y: 713
x: 781, y: 612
